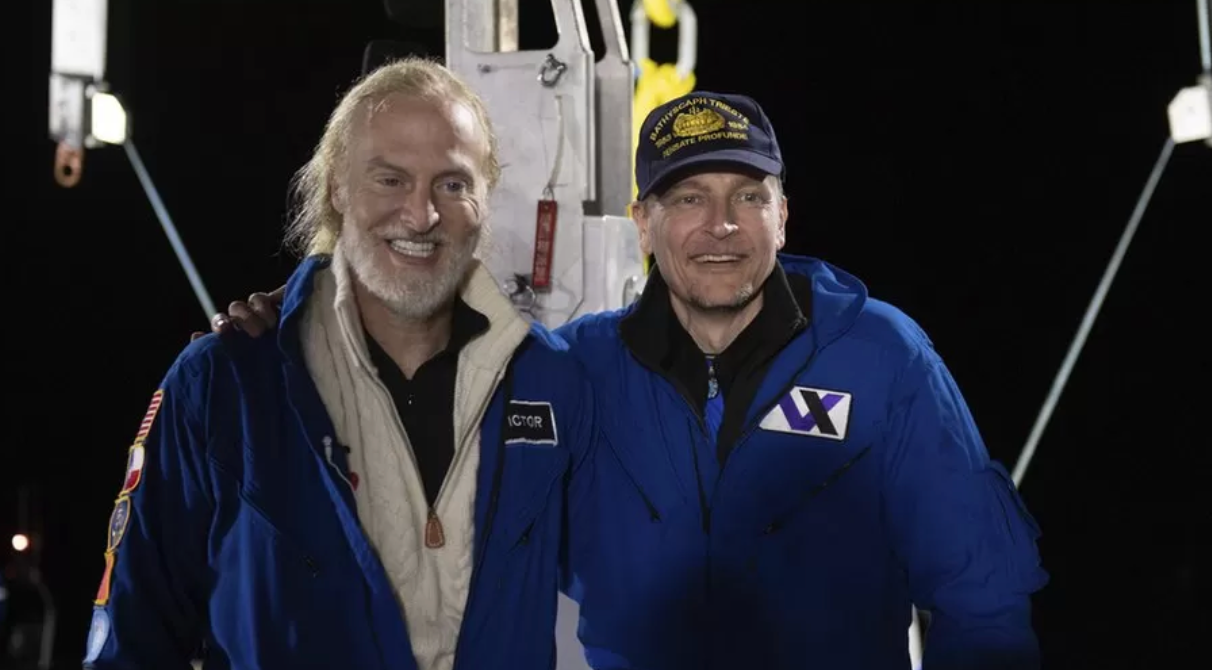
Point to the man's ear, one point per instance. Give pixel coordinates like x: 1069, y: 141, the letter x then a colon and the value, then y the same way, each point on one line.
x: 338, y: 196
x: 639, y: 214
x: 782, y: 234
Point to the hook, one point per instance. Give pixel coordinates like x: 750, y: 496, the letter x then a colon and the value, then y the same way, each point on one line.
x: 521, y: 294
x: 551, y: 71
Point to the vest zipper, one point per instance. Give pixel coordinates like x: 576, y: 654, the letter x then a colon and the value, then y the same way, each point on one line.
x: 435, y: 535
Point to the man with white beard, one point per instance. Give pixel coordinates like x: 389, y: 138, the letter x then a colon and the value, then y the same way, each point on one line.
x: 383, y: 484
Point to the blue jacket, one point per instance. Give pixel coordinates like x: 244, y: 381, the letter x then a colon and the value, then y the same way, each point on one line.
x: 808, y: 546
x: 236, y: 528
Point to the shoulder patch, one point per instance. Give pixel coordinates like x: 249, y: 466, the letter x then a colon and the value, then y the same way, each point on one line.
x: 530, y: 422
x: 118, y: 520
x: 134, y: 469
x: 98, y: 634
x: 103, y: 588
x: 150, y: 417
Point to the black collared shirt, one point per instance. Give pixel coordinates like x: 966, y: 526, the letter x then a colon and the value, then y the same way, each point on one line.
x: 658, y: 340
x: 425, y: 403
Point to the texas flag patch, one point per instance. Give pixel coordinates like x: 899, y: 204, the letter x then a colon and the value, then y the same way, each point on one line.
x: 134, y: 469
x: 811, y: 411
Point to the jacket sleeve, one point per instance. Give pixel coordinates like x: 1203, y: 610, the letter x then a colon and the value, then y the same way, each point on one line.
x: 963, y: 535
x: 151, y: 603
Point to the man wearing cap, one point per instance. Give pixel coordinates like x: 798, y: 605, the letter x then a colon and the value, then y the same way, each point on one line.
x: 791, y: 467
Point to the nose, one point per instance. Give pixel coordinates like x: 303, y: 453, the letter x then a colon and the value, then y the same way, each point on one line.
x: 419, y: 213
x: 722, y: 223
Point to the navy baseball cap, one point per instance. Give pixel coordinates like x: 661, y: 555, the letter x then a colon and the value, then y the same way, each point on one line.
x: 704, y: 128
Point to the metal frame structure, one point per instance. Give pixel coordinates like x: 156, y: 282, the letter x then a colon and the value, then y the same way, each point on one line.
x: 564, y: 127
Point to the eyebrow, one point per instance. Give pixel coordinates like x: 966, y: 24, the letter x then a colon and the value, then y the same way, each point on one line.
x: 381, y: 162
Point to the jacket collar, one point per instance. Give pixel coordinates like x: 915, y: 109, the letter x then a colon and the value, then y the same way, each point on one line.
x: 652, y: 330
x: 506, y: 329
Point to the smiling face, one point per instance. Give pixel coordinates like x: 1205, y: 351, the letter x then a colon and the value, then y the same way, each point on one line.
x: 715, y: 237
x: 411, y: 194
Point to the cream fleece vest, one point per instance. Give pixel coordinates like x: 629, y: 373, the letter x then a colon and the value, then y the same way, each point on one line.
x: 431, y: 584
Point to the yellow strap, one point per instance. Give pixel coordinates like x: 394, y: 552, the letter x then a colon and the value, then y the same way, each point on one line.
x: 662, y: 13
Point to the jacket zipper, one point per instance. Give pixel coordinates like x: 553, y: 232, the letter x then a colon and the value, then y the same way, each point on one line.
x: 684, y: 393
x: 704, y: 505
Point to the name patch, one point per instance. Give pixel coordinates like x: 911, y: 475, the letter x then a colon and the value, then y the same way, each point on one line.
x: 530, y: 422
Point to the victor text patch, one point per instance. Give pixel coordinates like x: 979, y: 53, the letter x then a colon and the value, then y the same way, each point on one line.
x: 530, y: 422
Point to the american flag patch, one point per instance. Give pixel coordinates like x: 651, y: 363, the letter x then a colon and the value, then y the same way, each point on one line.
x: 150, y: 417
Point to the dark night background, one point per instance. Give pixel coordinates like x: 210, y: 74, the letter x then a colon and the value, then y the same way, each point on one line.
x: 973, y: 162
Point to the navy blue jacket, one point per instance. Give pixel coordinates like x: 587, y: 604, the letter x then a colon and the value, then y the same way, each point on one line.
x: 236, y: 528
x: 859, y: 485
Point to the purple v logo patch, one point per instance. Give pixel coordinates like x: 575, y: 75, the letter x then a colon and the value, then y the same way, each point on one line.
x: 811, y: 411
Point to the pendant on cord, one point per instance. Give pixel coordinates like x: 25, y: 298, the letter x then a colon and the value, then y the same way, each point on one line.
x: 713, y: 384
x: 435, y: 537
x: 544, y: 241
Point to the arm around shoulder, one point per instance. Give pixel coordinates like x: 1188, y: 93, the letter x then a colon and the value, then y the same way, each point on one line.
x: 961, y: 531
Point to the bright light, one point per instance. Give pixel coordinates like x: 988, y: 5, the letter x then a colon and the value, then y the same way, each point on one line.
x: 109, y: 119
x: 1191, y: 114
x: 20, y: 542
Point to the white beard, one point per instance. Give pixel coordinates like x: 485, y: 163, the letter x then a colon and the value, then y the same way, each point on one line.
x: 413, y: 294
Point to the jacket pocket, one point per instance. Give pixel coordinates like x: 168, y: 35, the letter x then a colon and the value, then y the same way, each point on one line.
x: 813, y: 491
x: 530, y: 475
x: 293, y: 551
x: 650, y: 507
